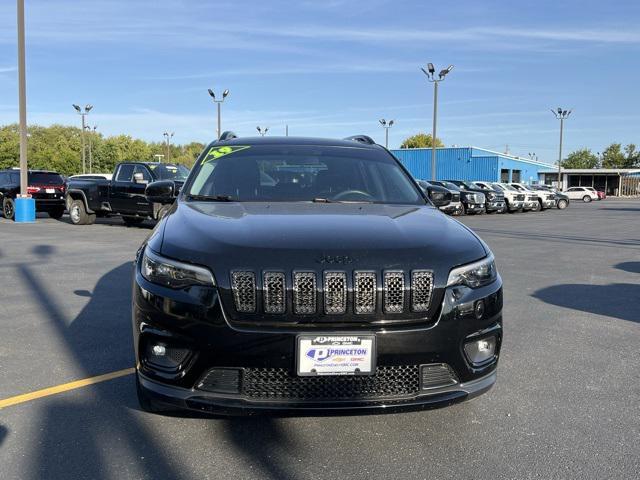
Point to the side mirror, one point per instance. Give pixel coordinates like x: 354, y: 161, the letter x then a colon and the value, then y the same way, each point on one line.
x: 439, y: 199
x: 163, y: 191
x: 139, y: 178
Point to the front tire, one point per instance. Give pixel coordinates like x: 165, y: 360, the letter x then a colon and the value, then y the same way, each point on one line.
x: 8, y: 208
x: 78, y: 214
x: 586, y: 199
x: 536, y: 207
x: 562, y: 204
x: 132, y: 221
x: 56, y: 213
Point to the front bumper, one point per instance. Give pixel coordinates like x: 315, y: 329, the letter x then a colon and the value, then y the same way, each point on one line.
x: 453, y: 207
x: 516, y: 205
x: 528, y: 205
x: 549, y: 203
x: 497, y: 206
x: 194, y: 321
x: 475, y: 207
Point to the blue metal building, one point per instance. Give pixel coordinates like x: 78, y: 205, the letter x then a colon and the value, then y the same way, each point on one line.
x: 471, y: 163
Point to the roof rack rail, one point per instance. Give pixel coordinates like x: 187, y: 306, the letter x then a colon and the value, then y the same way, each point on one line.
x: 228, y: 135
x: 361, y: 139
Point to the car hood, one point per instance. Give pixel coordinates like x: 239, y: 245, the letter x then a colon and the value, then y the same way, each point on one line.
x: 258, y: 236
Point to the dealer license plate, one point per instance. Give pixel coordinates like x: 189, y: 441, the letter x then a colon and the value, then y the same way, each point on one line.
x: 50, y: 190
x: 336, y: 354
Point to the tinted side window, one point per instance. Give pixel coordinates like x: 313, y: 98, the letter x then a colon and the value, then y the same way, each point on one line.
x: 125, y: 173
x: 14, y: 178
x: 3, y: 178
x: 144, y: 171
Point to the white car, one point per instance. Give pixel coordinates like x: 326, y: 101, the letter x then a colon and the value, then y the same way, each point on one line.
x: 581, y: 193
x: 532, y: 198
x: 513, y: 199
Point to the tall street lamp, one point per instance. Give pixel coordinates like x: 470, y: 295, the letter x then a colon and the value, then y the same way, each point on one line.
x: 218, y: 102
x: 88, y: 129
x: 168, y: 136
x: 430, y: 73
x: 25, y: 210
x: 386, y: 125
x: 262, y: 131
x: 561, y: 115
x: 83, y: 113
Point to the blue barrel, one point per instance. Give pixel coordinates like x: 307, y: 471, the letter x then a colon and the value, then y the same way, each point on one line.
x: 25, y: 210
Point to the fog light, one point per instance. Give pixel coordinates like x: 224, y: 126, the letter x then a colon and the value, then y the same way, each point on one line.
x: 479, y: 309
x: 159, y: 350
x: 480, y: 351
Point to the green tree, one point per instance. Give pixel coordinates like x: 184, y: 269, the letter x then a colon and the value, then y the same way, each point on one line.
x: 632, y: 156
x: 582, y: 158
x: 613, y: 157
x: 421, y: 140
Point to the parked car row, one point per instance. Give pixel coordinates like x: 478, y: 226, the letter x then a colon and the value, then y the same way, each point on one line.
x: 89, y: 196
x: 498, y: 197
x: 123, y: 193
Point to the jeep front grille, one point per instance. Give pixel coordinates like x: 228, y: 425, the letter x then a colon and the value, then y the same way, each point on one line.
x: 421, y: 289
x: 365, y: 292
x: 304, y: 293
x: 335, y: 293
x: 244, y: 291
x: 340, y: 294
x: 393, y: 292
x: 274, y: 292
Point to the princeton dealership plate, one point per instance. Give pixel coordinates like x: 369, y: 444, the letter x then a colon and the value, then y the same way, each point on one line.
x: 336, y: 354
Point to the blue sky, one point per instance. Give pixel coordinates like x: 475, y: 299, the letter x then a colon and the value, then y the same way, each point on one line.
x: 333, y: 68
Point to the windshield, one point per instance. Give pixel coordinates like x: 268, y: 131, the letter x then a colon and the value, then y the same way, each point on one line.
x: 449, y: 185
x: 40, y: 178
x: 169, y: 171
x: 294, y: 173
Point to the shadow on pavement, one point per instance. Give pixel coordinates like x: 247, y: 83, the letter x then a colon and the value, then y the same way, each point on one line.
x: 619, y: 300
x: 80, y: 434
x: 3, y: 433
x: 632, y: 243
x: 633, y: 267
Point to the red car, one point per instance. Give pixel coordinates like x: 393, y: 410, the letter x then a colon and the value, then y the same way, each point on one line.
x: 601, y: 195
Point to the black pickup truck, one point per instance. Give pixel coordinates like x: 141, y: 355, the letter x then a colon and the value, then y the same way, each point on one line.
x: 124, y: 194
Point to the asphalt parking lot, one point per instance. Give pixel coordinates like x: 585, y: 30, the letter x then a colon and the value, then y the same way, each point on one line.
x: 566, y: 405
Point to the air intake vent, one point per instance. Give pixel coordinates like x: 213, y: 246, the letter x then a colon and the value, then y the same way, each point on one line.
x: 274, y: 292
x: 393, y: 292
x: 335, y: 293
x: 421, y: 288
x: 244, y: 291
x: 437, y: 375
x: 365, y: 292
x: 304, y: 293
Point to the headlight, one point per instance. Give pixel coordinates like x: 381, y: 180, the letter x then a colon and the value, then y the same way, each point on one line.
x: 490, y: 195
x: 171, y: 273
x: 475, y: 274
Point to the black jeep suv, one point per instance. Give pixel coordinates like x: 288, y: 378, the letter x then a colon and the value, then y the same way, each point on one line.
x: 45, y: 187
x: 309, y: 275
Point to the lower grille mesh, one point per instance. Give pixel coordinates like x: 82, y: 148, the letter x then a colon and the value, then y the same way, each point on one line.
x: 279, y: 383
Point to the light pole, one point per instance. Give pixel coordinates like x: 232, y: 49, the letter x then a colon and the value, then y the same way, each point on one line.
x: 83, y: 113
x: 430, y: 73
x: 169, y: 136
x: 262, y: 131
x: 22, y: 102
x: 218, y: 103
x: 386, y: 127
x: 88, y: 128
x: 561, y: 115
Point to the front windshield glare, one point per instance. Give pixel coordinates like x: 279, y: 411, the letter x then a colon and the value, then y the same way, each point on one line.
x: 290, y: 173
x: 170, y: 172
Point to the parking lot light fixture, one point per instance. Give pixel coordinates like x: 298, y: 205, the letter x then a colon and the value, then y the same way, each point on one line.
x: 431, y: 77
x: 386, y: 125
x: 168, y: 136
x: 561, y: 115
x: 218, y: 103
x: 262, y: 131
x: 83, y: 114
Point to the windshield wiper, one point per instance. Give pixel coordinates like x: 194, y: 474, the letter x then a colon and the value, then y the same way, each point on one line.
x: 210, y: 198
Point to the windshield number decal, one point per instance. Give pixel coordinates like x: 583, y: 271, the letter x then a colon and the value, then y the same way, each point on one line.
x: 215, y: 153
